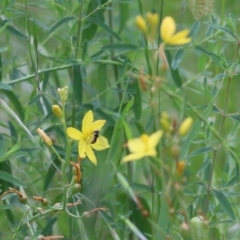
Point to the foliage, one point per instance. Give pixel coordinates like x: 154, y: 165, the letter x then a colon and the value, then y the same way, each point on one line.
x: 162, y: 88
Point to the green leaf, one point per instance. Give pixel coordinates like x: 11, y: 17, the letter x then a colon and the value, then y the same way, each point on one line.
x: 194, y: 29
x: 123, y: 15
x: 177, y: 59
x: 223, y: 29
x: 123, y: 47
x: 13, y: 30
x: 9, y: 178
x: 140, y: 217
x: 77, y: 84
x: 104, y: 26
x: 50, y: 173
x: 174, y: 72
x: 220, y: 76
x: 213, y: 56
x: 16, y: 103
x: 5, y: 86
x: 163, y: 220
x: 224, y: 203
x: 133, y: 228
x: 200, y: 151
x: 60, y: 23
x: 235, y: 116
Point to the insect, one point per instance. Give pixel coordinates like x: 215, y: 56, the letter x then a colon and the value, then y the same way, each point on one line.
x: 95, y: 136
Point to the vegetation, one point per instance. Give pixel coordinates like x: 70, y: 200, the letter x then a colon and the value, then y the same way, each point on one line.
x: 119, y: 119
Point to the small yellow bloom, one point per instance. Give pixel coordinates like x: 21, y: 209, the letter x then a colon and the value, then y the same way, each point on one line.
x: 44, y: 137
x: 143, y: 146
x: 141, y: 24
x: 185, y: 126
x: 168, y: 29
x: 89, y: 138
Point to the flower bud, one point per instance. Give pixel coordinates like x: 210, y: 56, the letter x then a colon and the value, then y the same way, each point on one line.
x: 185, y: 126
x: 63, y: 93
x: 199, y: 228
x: 44, y: 137
x: 57, y: 111
x: 165, y: 122
x: 153, y: 20
x: 141, y: 24
x: 181, y: 166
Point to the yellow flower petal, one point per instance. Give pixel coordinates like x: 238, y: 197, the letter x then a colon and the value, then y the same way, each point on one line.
x: 97, y: 125
x: 74, y: 134
x: 151, y: 152
x: 101, y: 143
x: 91, y: 155
x: 180, y: 38
x: 133, y: 157
x: 154, y: 138
x: 82, y: 149
x: 87, y: 121
x: 136, y: 145
x: 168, y: 28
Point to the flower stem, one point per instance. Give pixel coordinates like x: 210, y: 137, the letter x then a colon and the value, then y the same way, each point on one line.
x: 224, y: 115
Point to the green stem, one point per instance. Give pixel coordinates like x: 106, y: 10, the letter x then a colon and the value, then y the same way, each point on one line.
x: 224, y: 115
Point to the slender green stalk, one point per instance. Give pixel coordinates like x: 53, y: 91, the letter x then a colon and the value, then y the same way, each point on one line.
x: 224, y: 115
x: 222, y: 11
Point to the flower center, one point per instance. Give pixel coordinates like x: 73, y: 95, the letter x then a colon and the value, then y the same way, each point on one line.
x: 91, y: 136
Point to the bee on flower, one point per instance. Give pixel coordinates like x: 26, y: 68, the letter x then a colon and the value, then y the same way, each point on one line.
x: 89, y: 138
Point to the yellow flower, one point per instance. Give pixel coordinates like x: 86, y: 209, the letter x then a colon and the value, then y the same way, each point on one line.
x: 89, y: 138
x: 143, y: 146
x: 168, y: 29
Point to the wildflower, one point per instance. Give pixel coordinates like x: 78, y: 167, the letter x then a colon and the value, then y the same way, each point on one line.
x: 185, y: 126
x: 141, y: 24
x: 89, y: 138
x: 143, y: 146
x: 168, y: 29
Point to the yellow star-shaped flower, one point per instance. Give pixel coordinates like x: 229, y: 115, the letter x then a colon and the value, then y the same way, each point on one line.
x: 168, y: 29
x: 143, y: 146
x: 89, y: 138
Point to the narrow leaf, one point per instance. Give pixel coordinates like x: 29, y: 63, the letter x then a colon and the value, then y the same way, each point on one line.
x: 60, y: 23
x: 9, y: 178
x: 224, y: 203
x: 174, y: 72
x: 104, y: 26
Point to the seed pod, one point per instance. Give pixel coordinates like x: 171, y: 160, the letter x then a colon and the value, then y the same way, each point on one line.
x: 23, y: 199
x: 199, y: 229
x: 44, y: 202
x: 76, y: 188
